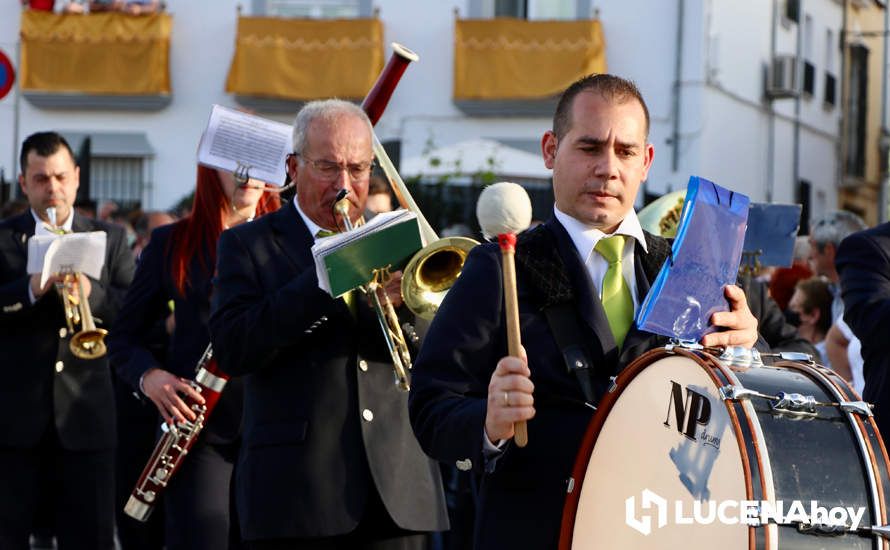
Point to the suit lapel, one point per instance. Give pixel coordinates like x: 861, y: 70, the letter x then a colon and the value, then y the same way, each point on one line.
x: 292, y: 235
x: 552, y: 266
x: 23, y: 229
x: 647, y: 266
x: 81, y: 224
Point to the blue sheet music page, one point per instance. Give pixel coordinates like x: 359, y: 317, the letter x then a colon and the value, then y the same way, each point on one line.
x: 771, y: 232
x: 704, y: 258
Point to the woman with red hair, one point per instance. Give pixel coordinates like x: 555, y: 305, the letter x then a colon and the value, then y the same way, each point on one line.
x: 177, y: 267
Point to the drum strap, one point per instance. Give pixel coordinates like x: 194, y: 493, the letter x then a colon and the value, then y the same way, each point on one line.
x: 563, y: 322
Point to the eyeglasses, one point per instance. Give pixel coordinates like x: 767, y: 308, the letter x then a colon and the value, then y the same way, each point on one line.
x: 331, y: 170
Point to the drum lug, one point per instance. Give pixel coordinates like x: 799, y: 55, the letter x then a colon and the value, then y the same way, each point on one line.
x: 737, y: 393
x: 738, y: 356
x: 856, y: 407
x: 683, y: 344
x: 881, y: 530
x: 822, y: 529
x: 794, y: 403
x: 791, y: 356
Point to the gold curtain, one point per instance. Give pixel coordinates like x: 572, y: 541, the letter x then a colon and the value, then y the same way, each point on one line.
x: 506, y: 58
x: 303, y: 59
x: 102, y: 53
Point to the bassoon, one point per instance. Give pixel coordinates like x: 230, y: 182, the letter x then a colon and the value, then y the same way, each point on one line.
x: 176, y: 440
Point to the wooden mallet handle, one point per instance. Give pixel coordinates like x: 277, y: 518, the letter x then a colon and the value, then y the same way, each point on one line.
x: 507, y: 242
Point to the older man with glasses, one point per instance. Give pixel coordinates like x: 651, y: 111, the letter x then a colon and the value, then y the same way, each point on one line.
x: 329, y: 459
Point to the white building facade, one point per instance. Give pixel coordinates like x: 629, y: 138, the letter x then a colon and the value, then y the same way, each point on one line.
x: 701, y: 64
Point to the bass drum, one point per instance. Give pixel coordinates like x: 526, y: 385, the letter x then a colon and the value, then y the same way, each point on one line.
x: 685, y: 449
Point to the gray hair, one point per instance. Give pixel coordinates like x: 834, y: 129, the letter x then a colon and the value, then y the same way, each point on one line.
x: 327, y: 110
x: 835, y: 227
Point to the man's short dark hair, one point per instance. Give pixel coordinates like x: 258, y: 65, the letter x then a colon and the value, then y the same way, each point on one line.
x: 44, y: 144
x: 612, y: 88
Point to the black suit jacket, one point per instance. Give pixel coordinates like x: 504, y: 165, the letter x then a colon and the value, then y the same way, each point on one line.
x: 324, y: 423
x: 521, y: 499
x: 42, y: 381
x: 146, y: 305
x: 863, y: 262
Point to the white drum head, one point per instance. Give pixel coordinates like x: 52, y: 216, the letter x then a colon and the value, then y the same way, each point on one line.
x: 640, y: 455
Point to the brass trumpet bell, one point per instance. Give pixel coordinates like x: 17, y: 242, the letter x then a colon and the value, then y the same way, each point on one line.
x: 431, y: 272
x: 89, y: 344
x: 662, y: 216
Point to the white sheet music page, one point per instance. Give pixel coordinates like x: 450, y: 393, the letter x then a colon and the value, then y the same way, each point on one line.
x: 232, y: 138
x: 78, y: 252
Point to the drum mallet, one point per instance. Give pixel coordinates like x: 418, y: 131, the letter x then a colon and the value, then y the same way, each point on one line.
x: 504, y: 210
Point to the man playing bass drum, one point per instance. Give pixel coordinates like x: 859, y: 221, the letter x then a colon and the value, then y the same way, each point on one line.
x: 467, y: 393
x: 178, y: 265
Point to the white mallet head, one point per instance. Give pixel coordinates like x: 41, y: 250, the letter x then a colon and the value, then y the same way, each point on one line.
x: 503, y: 207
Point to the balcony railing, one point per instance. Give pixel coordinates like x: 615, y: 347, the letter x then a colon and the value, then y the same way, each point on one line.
x: 514, y: 66
x: 103, y: 60
x: 280, y: 61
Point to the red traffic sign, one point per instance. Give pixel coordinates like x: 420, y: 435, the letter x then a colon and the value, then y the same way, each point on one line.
x: 7, y: 75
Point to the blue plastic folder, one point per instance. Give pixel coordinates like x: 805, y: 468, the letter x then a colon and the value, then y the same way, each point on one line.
x: 704, y: 258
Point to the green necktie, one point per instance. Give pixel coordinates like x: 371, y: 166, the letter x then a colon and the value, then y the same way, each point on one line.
x: 616, y: 296
x: 349, y: 297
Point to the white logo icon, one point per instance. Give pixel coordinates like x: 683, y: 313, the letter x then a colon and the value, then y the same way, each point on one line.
x: 648, y: 500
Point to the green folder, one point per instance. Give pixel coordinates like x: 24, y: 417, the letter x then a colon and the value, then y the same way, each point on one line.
x: 354, y: 264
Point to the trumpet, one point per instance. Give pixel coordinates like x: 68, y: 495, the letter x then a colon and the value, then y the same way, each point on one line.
x: 89, y: 341
x: 386, y: 313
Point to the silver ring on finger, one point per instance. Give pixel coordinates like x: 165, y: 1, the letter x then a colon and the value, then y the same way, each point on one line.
x: 506, y: 399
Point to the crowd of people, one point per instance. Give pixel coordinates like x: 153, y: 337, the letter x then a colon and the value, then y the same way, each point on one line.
x: 130, y: 7
x: 312, y: 445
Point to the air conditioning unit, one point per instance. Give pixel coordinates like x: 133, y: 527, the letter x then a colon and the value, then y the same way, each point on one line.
x: 781, y: 80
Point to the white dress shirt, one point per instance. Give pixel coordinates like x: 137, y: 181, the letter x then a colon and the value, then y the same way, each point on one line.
x: 585, y: 239
x: 313, y: 227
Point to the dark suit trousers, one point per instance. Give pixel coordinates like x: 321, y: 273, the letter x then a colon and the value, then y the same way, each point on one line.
x: 198, y: 502
x: 83, y: 494
x: 137, y: 424
x: 376, y: 531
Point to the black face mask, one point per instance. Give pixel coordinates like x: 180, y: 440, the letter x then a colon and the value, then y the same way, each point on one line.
x: 792, y: 317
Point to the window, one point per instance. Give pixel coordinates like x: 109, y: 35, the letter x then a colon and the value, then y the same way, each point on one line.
x: 113, y: 167
x: 856, y: 111
x: 809, y: 78
x: 792, y: 10
x: 830, y: 89
x: 805, y: 199
x: 528, y: 9
x: 316, y: 9
x: 119, y: 179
